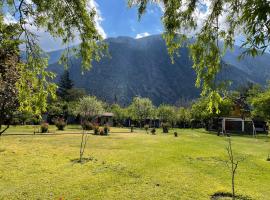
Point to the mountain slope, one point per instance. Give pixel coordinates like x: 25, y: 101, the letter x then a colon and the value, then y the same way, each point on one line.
x: 142, y: 67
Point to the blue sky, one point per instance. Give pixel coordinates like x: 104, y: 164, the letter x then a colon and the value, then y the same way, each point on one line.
x: 120, y: 20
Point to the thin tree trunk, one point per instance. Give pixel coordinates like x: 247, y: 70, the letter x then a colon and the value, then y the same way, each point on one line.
x: 1, y: 132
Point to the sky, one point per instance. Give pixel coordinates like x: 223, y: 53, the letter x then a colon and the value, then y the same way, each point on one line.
x: 115, y: 19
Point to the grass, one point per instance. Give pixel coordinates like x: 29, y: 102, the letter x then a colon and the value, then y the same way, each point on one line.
x: 128, y: 165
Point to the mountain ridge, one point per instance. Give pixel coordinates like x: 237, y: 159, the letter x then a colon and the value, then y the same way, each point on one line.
x: 142, y: 67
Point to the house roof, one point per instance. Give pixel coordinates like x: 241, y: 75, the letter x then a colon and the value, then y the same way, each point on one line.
x: 107, y: 114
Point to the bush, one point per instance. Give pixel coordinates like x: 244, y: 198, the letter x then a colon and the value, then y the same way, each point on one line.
x: 131, y: 128
x: 86, y: 125
x: 146, y: 127
x: 165, y: 127
x: 44, y: 127
x: 153, y: 131
x: 175, y: 134
x: 60, y: 124
x: 106, y: 129
x: 101, y: 131
x: 96, y: 130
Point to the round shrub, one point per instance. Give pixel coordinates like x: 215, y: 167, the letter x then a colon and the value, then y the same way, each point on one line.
x: 96, y: 130
x: 153, y: 131
x: 60, y: 124
x: 175, y: 134
x: 165, y: 127
x: 44, y: 127
x: 86, y: 125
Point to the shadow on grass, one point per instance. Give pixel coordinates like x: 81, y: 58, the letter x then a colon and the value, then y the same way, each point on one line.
x: 246, y: 135
x: 226, y: 195
x: 84, y: 160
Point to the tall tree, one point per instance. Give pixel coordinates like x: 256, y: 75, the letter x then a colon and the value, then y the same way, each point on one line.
x: 141, y: 109
x: 88, y: 108
x: 65, y: 84
x: 221, y: 20
x: 9, y: 74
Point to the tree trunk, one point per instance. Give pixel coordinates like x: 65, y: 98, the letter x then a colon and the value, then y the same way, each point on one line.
x: 1, y: 132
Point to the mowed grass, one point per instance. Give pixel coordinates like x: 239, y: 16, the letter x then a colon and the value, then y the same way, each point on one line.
x: 128, y: 165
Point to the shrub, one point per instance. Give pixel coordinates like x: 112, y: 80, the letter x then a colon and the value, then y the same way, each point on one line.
x: 165, y: 127
x: 146, y: 127
x: 153, y: 131
x: 86, y: 125
x: 175, y: 134
x: 131, y: 128
x: 96, y: 130
x: 101, y: 131
x: 268, y: 159
x: 44, y: 127
x: 106, y: 129
x: 60, y: 124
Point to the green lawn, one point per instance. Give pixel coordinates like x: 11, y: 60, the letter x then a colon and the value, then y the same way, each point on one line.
x: 128, y: 165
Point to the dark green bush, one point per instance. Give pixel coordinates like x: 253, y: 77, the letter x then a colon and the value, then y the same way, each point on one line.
x: 165, y: 127
x: 44, y: 128
x: 146, y: 128
x: 106, y: 129
x: 60, y: 124
x: 153, y: 131
x: 86, y: 125
x: 175, y: 134
x: 96, y: 130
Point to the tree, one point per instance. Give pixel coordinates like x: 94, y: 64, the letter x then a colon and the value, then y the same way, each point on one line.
x: 141, y: 109
x: 222, y: 20
x: 62, y: 19
x: 120, y: 114
x: 88, y: 108
x: 166, y: 113
x: 65, y: 84
x: 260, y: 103
x: 183, y: 116
x: 232, y: 165
x: 9, y: 74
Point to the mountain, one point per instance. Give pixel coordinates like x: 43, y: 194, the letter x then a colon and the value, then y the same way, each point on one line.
x: 143, y: 67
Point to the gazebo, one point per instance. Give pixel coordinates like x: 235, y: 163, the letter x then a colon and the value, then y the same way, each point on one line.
x: 238, y: 125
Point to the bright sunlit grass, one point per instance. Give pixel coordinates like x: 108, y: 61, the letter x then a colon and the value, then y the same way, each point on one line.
x: 128, y: 165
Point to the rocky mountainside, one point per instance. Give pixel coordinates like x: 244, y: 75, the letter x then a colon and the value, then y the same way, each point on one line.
x: 142, y: 67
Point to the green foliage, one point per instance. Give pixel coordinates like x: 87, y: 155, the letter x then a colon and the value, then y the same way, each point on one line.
x: 9, y: 73
x: 141, y: 109
x: 89, y: 107
x: 183, y: 116
x: 261, y: 104
x: 86, y: 125
x: 44, y: 127
x: 166, y: 113
x: 96, y: 130
x: 120, y: 113
x: 65, y: 84
x: 146, y: 128
x: 106, y: 129
x: 252, y: 17
x: 165, y: 127
x: 60, y: 124
x: 61, y: 19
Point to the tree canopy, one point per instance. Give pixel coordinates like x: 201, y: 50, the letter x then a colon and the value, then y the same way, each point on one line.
x: 63, y: 19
